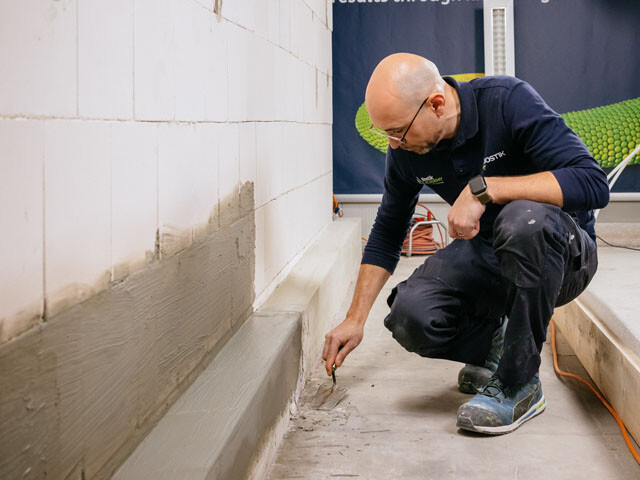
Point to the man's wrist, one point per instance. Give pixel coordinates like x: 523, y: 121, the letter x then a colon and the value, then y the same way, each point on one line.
x: 479, y: 189
x: 492, y: 188
x: 356, y: 318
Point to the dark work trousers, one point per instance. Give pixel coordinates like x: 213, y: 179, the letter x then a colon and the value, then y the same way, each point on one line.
x: 537, y: 258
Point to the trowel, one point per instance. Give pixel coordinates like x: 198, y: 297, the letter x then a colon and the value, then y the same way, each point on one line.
x: 328, y: 396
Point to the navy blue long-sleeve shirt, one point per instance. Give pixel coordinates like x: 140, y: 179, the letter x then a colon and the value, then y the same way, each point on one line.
x: 505, y: 129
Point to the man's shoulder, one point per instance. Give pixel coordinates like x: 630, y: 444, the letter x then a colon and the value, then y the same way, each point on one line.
x: 503, y: 93
x: 498, y: 82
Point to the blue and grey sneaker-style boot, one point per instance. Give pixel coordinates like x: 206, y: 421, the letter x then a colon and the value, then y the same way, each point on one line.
x: 500, y: 409
x: 472, y: 378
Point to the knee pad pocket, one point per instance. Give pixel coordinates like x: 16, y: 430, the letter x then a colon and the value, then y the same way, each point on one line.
x: 523, y: 234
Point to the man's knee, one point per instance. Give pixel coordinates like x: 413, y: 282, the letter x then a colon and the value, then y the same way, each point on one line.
x: 521, y: 221
x: 523, y: 231
x: 417, y: 327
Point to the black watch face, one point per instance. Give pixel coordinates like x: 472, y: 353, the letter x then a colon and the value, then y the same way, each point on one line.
x: 477, y: 185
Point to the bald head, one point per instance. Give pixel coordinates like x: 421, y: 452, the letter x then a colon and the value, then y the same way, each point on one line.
x: 399, y: 83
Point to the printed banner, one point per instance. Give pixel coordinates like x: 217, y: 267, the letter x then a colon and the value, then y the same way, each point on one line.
x: 580, y: 55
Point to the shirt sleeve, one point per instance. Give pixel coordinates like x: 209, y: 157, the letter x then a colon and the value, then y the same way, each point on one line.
x: 392, y: 222
x: 552, y: 146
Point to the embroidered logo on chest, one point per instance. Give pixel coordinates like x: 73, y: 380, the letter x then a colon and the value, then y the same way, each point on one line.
x: 429, y: 180
x: 492, y: 158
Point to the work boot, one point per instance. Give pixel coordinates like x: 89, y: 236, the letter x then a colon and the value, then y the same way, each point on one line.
x: 472, y: 378
x: 500, y: 409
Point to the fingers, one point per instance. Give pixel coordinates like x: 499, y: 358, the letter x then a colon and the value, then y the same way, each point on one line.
x: 329, y: 351
x: 467, y: 236
x: 463, y: 233
x: 332, y: 351
x: 474, y: 231
x: 344, y: 351
x: 338, y: 343
x: 456, y: 231
x: 471, y: 233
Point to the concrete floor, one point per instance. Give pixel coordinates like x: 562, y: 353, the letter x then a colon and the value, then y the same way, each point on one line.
x: 398, y: 422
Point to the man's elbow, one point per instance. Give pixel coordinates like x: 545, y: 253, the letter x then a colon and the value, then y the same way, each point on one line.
x: 601, y: 192
x: 603, y: 198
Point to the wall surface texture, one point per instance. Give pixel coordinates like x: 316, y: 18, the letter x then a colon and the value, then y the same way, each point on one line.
x: 162, y: 164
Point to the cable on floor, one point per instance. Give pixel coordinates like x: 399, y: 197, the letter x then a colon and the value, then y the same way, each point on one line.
x: 594, y: 390
x: 616, y: 246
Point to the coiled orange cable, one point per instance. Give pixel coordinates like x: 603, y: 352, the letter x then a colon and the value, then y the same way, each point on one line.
x: 423, y: 242
x: 594, y: 390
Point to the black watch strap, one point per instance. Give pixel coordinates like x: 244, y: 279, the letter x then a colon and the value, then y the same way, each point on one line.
x: 484, y: 197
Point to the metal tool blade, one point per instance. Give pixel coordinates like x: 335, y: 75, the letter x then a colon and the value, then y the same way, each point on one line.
x: 328, y: 396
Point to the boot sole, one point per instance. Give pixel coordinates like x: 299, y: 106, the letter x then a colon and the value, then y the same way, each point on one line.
x: 465, y: 423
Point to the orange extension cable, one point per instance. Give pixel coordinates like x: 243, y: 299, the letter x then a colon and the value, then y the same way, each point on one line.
x: 336, y: 207
x: 594, y: 390
x: 422, y: 242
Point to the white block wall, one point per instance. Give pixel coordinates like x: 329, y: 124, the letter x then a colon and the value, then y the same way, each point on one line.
x: 126, y: 120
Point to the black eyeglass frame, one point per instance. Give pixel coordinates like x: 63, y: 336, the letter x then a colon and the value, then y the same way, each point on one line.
x: 401, y: 139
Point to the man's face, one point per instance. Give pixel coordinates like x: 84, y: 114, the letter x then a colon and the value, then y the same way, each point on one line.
x: 418, y: 131
x: 423, y: 134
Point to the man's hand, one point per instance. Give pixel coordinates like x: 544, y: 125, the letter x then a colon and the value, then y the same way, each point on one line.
x: 345, y: 337
x: 464, y: 216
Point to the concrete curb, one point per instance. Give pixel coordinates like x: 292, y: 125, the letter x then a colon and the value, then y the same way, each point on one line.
x: 316, y: 286
x: 213, y: 429
x: 229, y: 423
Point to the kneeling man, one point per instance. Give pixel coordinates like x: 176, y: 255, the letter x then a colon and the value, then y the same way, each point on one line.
x: 522, y: 187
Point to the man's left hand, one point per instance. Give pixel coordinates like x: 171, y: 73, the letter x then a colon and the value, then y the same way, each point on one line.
x: 464, y: 216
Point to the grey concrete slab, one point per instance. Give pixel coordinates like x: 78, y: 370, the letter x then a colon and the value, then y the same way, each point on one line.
x: 398, y: 421
x: 612, y: 294
x: 215, y: 430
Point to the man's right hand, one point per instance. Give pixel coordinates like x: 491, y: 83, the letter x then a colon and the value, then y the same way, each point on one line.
x: 340, y: 341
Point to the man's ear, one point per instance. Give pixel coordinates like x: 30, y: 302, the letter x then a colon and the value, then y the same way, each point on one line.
x: 437, y: 102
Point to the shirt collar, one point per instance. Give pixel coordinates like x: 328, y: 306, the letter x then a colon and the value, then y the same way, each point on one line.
x: 468, y: 126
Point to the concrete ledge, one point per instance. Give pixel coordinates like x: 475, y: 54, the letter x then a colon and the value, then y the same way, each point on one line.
x: 215, y: 429
x: 229, y: 423
x: 611, y: 296
x: 315, y: 287
x: 603, y: 329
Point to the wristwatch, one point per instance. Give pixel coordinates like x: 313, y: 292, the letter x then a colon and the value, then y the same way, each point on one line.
x: 478, y: 187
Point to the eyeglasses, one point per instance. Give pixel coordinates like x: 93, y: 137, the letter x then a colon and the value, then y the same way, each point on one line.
x: 373, y: 129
